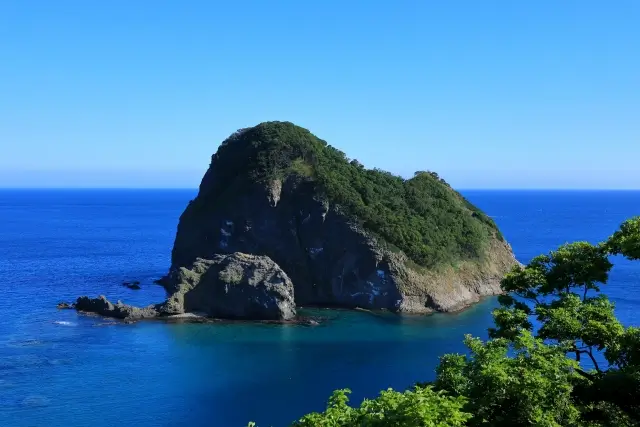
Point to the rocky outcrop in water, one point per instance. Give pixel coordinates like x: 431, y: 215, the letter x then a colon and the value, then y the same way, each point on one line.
x: 233, y: 286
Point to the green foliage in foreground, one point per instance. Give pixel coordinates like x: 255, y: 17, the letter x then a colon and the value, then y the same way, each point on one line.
x: 530, y: 387
x: 417, y: 407
x: 423, y: 216
x: 527, y: 377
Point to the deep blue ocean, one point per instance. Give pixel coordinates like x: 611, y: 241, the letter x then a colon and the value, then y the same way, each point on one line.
x: 58, y: 368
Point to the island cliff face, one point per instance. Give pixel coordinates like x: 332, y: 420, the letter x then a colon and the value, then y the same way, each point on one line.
x: 345, y: 236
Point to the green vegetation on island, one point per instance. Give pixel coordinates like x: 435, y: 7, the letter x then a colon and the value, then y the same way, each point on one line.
x: 525, y: 375
x: 422, y: 216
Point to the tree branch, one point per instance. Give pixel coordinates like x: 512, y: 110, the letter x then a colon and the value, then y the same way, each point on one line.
x: 593, y: 359
x: 590, y: 354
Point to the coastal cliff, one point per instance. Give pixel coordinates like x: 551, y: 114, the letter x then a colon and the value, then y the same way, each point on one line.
x: 346, y: 236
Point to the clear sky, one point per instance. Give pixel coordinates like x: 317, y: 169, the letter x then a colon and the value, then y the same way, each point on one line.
x: 490, y: 94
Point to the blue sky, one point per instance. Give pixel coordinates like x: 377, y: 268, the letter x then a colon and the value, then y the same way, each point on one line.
x: 490, y: 94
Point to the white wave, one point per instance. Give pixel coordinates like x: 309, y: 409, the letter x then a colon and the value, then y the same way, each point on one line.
x: 64, y: 323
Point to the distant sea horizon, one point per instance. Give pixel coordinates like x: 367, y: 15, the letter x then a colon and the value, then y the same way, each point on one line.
x: 460, y: 189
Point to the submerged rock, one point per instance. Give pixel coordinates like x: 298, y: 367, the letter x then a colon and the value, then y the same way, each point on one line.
x: 36, y: 401
x: 234, y: 286
x: 309, y: 322
x: 135, y: 285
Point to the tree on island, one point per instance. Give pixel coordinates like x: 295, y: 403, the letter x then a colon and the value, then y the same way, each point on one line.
x: 529, y: 373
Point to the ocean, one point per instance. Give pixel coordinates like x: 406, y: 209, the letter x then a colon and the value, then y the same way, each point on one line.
x: 58, y: 368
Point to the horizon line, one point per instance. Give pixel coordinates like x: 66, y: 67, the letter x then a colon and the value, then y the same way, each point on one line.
x: 197, y: 188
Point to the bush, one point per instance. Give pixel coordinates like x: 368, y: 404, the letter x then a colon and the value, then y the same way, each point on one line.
x: 421, y: 406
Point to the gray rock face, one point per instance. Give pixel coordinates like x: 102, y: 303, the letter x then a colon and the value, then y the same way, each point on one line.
x: 331, y: 260
x: 235, y: 286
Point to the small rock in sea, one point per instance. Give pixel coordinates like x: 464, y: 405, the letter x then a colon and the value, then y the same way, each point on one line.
x: 135, y: 285
x: 64, y: 305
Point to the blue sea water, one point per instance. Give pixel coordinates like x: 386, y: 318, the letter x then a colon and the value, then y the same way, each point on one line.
x: 58, y: 368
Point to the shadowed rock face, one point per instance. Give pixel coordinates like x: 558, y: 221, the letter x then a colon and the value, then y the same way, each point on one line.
x: 331, y: 258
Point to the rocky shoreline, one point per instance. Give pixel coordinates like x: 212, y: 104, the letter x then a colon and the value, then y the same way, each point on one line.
x: 101, y: 306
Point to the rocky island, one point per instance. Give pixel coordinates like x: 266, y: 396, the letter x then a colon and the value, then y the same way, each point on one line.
x: 282, y: 219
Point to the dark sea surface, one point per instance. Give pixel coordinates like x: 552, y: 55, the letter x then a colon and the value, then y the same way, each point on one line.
x: 58, y: 368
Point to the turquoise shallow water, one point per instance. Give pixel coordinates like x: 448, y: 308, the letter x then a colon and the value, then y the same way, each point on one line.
x: 58, y: 368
